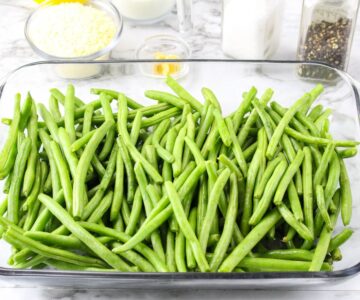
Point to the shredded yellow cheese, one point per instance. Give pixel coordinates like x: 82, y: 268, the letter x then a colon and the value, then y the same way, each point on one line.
x: 71, y: 29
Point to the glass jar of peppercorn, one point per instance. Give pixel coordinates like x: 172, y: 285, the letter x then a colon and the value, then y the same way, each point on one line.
x: 326, y: 33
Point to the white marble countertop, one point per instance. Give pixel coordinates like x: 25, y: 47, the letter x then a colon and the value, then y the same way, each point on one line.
x: 205, y: 43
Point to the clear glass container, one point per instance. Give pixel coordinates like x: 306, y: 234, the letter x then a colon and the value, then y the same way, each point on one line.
x: 73, y: 71
x: 326, y: 33
x: 236, y: 77
x: 144, y: 11
x: 251, y: 29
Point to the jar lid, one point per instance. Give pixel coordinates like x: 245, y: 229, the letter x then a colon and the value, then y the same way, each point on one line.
x: 168, y: 50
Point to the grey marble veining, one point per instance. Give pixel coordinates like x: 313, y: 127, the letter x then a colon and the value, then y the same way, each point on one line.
x: 204, y: 42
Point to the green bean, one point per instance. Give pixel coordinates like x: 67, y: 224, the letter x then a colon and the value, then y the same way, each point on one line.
x: 249, y: 151
x: 178, y: 152
x: 222, y: 128
x: 32, y: 215
x: 161, y: 116
x: 315, y: 112
x: 295, y: 202
x: 244, y: 107
x: 51, y: 239
x: 231, y: 165
x: 61, y: 98
x: 204, y: 127
x: 265, y: 119
x: 26, y: 112
x: 147, y: 252
x: 340, y: 239
x: 129, y: 170
x: 308, y: 189
x: 122, y: 127
x: 70, y: 157
x: 314, y: 94
x: 190, y: 134
x: 289, y: 254
x: 135, y: 214
x: 300, y: 228
x: 110, y: 136
x: 119, y: 187
x: 81, y: 142
x: 32, y: 197
x: 88, y: 114
x: 278, y: 265
x: 211, y: 207
x: 18, y: 175
x: 180, y: 252
x: 346, y: 153
x: 45, y: 215
x: 81, y: 170
x: 102, y: 208
x: 29, y: 176
x: 142, y: 180
x: 7, y: 183
x: 325, y: 159
x: 163, y: 211
x: 320, y: 200
x: 245, y: 130
x: 239, y: 155
x: 114, y: 95
x: 294, y: 122
x: 287, y: 177
x: 49, y: 121
x: 210, y: 96
x: 270, y: 152
x: 194, y: 150
x: 8, y: 153
x: 69, y: 106
x: 290, y: 153
x: 13, y: 237
x: 318, y: 141
x: 190, y: 259
x: 259, y: 189
x: 170, y: 251
x: 230, y: 219
x: 83, y: 235
x: 158, y: 134
x: 183, y: 94
x: 345, y: 195
x: 185, y: 227
x: 136, y: 259
x: 105, y: 181
x: 63, y: 171
x: 211, y: 140
x: 249, y: 241
x: 165, y: 98
x: 135, y: 129
x: 321, y: 119
x: 54, y: 108
x: 269, y: 192
x: 324, y: 241
x: 251, y: 178
x: 333, y: 179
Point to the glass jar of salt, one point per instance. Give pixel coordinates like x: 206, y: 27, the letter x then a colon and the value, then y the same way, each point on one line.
x: 326, y: 33
x: 251, y: 29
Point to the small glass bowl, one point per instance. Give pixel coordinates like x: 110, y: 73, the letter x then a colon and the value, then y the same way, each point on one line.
x: 83, y: 71
x: 166, y: 45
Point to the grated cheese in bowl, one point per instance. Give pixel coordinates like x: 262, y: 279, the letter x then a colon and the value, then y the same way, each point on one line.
x: 71, y: 30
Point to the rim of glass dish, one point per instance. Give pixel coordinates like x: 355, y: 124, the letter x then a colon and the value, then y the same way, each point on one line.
x: 338, y: 274
x: 106, y: 6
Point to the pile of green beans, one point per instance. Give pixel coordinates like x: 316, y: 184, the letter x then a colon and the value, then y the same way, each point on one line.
x: 174, y: 186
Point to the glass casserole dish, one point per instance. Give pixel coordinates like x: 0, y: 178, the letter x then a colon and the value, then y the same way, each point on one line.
x: 236, y: 76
